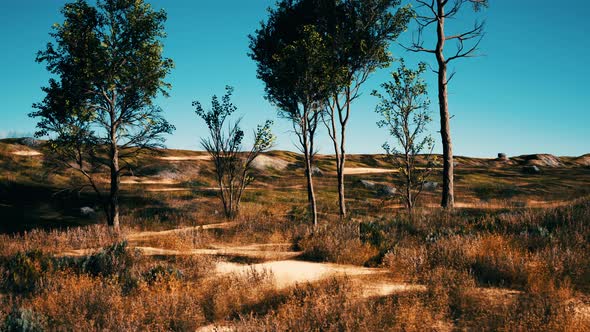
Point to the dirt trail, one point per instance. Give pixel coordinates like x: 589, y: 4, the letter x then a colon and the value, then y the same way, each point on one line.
x: 138, y: 180
x: 146, y: 234
x: 184, y: 158
x: 367, y: 170
x: 26, y: 153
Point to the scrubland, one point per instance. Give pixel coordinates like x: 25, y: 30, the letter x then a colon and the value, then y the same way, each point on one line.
x: 515, y: 255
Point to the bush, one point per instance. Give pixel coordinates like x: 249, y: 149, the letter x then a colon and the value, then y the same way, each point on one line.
x: 113, y: 260
x: 496, y: 190
x: 23, y: 320
x: 340, y: 243
x: 161, y: 273
x: 24, y: 272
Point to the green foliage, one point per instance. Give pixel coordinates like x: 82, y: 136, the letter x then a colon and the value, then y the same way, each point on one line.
x: 107, y: 67
x: 404, y: 113
x: 24, y: 271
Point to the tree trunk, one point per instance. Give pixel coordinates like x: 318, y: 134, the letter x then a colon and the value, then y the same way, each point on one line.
x: 309, y: 173
x: 310, y: 192
x: 114, y: 192
x: 448, y: 199
x: 340, y: 171
x: 113, y: 217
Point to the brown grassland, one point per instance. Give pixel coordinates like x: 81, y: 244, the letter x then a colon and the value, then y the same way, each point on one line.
x: 514, y: 255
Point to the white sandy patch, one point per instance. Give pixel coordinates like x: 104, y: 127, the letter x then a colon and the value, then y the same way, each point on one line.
x: 26, y: 153
x: 264, y: 252
x: 222, y: 225
x: 367, y: 170
x: 383, y: 288
x: 288, y: 273
x: 167, y: 189
x: 185, y: 158
x: 137, y: 180
x: 263, y: 162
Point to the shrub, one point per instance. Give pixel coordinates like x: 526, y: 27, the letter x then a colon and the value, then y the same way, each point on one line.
x: 340, y: 243
x: 113, y: 260
x: 24, y: 272
x: 161, y: 273
x: 23, y: 320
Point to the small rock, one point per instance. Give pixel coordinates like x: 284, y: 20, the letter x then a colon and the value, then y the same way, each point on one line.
x: 430, y: 186
x: 367, y: 184
x: 386, y: 191
x: 87, y: 211
x: 316, y: 171
x: 531, y: 170
x: 29, y: 141
x: 502, y: 156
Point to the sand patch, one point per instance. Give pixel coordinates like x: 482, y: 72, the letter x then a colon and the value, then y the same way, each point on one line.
x: 185, y: 158
x: 156, y: 190
x: 26, y: 153
x: 245, y: 252
x: 141, y: 235
x: 288, y: 273
x: 384, y: 288
x: 263, y: 162
x: 138, y: 180
x: 367, y: 170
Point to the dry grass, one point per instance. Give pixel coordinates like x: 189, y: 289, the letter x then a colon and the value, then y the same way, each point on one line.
x: 492, y: 265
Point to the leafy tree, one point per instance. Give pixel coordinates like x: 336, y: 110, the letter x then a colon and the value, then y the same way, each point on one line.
x: 292, y: 58
x: 98, y: 111
x: 358, y: 34
x: 232, y: 166
x: 404, y: 113
x: 435, y: 13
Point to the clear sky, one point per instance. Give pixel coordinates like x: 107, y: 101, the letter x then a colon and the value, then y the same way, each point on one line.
x: 528, y: 94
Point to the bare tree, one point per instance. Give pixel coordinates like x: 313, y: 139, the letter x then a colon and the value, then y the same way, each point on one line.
x: 404, y: 112
x: 435, y: 13
x: 232, y: 166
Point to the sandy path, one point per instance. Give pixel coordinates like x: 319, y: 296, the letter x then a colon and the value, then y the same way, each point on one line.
x: 261, y: 251
x: 145, y: 234
x: 26, y: 153
x: 288, y: 273
x: 157, y: 190
x: 137, y: 180
x: 184, y: 158
x: 366, y: 170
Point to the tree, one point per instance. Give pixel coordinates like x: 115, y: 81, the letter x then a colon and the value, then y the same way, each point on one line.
x: 436, y: 12
x: 359, y: 32
x: 405, y: 115
x: 232, y: 166
x: 98, y: 111
x: 291, y: 59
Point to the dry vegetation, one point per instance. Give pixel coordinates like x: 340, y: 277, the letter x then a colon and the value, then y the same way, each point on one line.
x: 492, y: 265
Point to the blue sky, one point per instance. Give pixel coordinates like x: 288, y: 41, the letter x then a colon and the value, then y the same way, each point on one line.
x: 527, y: 94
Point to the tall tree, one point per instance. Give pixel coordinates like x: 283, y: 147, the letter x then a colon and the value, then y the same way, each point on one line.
x: 359, y: 33
x: 435, y: 13
x: 108, y: 66
x: 233, y: 166
x: 291, y: 57
x: 404, y: 113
